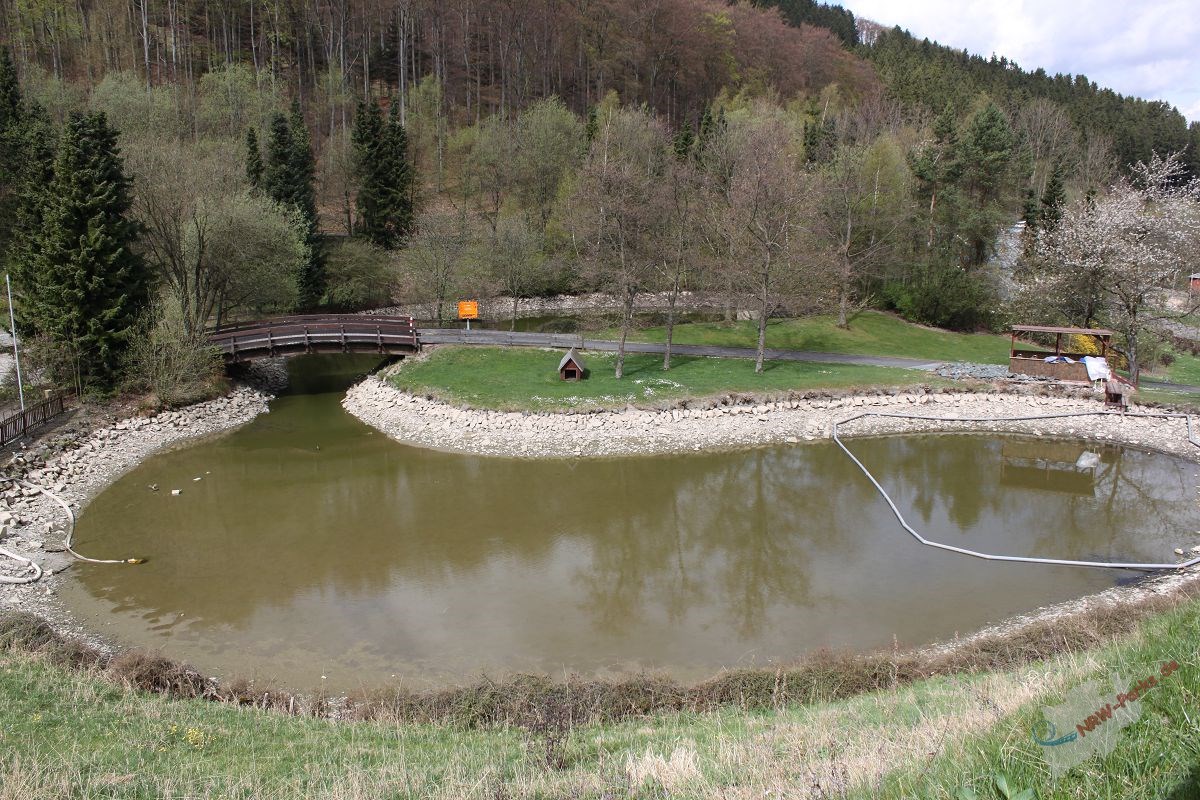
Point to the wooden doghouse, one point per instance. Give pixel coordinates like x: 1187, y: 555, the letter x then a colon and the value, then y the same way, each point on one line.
x: 1063, y: 366
x: 571, y: 367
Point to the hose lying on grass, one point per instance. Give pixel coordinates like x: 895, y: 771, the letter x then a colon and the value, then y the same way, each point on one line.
x: 33, y: 572
x: 1065, y: 562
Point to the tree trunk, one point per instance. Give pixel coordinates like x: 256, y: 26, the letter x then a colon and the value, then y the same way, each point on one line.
x: 1131, y: 354
x: 672, y: 298
x: 762, y: 332
x: 513, y: 324
x: 626, y: 324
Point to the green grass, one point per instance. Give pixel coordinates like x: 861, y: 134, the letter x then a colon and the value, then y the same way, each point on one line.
x: 70, y: 734
x: 525, y: 378
x: 1184, y: 369
x: 870, y: 333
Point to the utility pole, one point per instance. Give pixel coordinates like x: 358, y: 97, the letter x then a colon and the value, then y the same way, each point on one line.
x: 12, y: 322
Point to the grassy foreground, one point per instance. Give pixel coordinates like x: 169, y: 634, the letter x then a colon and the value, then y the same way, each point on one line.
x: 527, y: 378
x: 870, y: 333
x: 75, y: 734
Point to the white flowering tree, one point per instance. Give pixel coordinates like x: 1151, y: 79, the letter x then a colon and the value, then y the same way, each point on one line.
x: 1111, y: 259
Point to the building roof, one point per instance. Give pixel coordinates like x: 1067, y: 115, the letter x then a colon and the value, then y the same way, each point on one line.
x: 1055, y: 329
x: 572, y: 355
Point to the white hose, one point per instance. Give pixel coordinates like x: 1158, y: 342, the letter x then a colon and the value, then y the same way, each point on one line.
x: 34, y: 570
x: 992, y: 556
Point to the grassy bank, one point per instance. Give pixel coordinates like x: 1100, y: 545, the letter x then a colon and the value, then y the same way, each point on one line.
x: 870, y: 333
x: 72, y: 733
x: 526, y: 378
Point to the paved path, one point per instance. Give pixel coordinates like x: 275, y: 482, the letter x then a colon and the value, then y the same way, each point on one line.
x: 519, y: 339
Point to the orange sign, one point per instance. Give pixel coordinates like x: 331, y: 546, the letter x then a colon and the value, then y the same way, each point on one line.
x: 468, y: 309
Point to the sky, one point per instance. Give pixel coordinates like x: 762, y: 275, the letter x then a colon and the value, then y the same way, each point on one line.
x: 1147, y: 48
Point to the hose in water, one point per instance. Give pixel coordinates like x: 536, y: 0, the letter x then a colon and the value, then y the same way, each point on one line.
x: 993, y: 556
x: 33, y: 570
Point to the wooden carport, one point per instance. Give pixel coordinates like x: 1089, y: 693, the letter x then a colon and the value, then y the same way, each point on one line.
x: 1066, y: 366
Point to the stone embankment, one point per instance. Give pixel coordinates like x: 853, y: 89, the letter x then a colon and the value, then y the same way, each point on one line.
x: 78, y: 468
x: 728, y: 425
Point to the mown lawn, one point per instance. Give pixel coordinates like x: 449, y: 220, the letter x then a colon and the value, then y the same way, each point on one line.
x: 870, y: 333
x: 527, y: 378
x: 69, y: 734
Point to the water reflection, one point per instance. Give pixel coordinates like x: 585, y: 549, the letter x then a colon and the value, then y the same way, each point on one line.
x: 315, y: 546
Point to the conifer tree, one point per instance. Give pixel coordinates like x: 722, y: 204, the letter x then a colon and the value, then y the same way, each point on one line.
x: 592, y: 126
x: 254, y: 162
x: 81, y: 281
x: 303, y: 176
x: 288, y: 179
x: 277, y: 178
x: 685, y: 140
x: 1053, y: 200
x: 385, y: 196
x: 12, y: 141
x: 402, y: 199
x: 367, y: 138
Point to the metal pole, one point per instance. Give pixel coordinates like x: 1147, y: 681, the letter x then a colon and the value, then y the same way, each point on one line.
x: 12, y: 321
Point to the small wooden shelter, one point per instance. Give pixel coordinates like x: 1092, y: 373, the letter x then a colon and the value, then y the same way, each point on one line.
x: 1060, y: 365
x: 571, y: 367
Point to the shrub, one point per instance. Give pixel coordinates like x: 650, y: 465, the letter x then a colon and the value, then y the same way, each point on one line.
x: 358, y: 275
x: 178, y: 368
x: 945, y: 296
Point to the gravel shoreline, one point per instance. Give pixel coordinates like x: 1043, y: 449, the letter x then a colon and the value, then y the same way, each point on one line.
x: 89, y: 463
x: 79, y: 469
x: 728, y: 425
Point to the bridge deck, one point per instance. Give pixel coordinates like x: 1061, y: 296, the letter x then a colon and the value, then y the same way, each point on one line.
x: 317, y: 333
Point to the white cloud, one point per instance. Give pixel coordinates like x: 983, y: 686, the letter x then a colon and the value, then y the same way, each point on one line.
x: 1147, y: 48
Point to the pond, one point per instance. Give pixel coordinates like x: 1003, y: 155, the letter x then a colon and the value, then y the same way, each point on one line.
x: 314, y: 551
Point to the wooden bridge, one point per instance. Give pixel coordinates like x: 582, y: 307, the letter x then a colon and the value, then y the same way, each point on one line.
x: 316, y: 333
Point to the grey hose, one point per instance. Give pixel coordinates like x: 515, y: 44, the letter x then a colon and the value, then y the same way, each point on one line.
x: 992, y: 556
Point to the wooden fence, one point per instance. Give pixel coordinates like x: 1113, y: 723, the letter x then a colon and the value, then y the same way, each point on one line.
x: 15, y: 426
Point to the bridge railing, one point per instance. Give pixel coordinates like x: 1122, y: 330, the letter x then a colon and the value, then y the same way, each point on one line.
x: 317, y: 332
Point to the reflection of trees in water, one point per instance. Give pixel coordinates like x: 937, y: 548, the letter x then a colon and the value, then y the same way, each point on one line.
x: 723, y: 540
x: 1132, y: 505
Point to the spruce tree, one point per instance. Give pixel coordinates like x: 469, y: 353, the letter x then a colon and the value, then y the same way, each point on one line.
x: 288, y: 180
x: 81, y: 281
x: 1053, y: 199
x: 277, y: 177
x: 402, y: 217
x: 685, y: 140
x: 303, y: 176
x: 12, y: 146
x: 254, y: 162
x: 367, y: 138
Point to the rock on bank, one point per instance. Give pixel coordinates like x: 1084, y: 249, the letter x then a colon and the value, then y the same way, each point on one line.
x: 431, y: 423
x: 79, y: 469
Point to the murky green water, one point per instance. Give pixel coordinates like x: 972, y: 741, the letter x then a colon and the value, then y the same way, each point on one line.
x: 314, y: 546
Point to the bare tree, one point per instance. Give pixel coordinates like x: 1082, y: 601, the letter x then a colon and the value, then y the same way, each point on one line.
x: 214, y: 247
x: 619, y: 205
x: 861, y: 201
x: 764, y: 221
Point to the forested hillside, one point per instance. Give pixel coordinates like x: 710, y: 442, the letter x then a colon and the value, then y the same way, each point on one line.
x: 486, y: 57
x: 1052, y: 109
x: 249, y: 157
